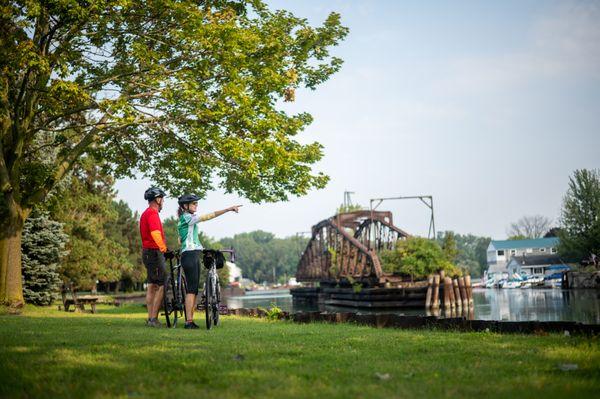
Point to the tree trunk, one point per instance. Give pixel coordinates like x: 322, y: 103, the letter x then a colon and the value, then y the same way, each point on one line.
x: 11, y: 285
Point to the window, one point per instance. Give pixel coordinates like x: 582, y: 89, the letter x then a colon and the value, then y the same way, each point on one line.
x: 553, y: 250
x: 542, y: 249
x: 500, y: 252
x: 513, y: 251
x: 538, y: 270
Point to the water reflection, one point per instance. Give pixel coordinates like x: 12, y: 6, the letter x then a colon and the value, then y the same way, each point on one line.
x: 490, y: 304
x: 533, y: 304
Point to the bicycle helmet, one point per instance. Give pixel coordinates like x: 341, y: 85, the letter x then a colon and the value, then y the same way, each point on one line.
x: 154, y: 192
x: 187, y: 198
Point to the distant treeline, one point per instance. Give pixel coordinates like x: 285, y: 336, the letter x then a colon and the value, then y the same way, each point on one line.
x: 261, y: 256
x: 470, y: 253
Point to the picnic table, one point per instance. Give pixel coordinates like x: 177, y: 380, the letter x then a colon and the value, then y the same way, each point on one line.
x: 78, y: 302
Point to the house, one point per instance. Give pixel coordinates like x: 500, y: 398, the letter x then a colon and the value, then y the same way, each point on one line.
x: 499, y: 253
x: 536, y: 265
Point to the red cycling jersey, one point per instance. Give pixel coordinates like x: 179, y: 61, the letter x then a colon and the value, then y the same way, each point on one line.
x: 150, y: 221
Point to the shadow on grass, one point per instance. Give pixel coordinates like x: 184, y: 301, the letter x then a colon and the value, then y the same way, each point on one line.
x: 115, y: 355
x: 123, y: 309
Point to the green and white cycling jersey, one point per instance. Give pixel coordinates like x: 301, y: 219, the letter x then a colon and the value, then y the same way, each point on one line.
x: 188, y: 230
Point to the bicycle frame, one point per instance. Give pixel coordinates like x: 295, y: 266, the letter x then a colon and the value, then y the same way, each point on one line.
x: 212, y: 291
x: 174, y: 295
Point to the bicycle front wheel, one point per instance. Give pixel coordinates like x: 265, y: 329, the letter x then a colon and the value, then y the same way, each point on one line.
x: 216, y: 305
x: 168, y: 300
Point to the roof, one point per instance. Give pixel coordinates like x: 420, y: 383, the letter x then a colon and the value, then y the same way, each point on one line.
x: 531, y: 260
x: 533, y: 243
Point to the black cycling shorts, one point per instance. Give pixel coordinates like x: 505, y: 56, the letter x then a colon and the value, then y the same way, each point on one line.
x: 190, y: 261
x: 154, y: 260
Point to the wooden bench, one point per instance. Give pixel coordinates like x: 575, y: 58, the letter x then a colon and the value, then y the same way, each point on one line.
x: 78, y: 303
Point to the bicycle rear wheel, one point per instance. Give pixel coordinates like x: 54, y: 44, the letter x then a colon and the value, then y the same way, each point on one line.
x: 182, y: 294
x: 208, y: 305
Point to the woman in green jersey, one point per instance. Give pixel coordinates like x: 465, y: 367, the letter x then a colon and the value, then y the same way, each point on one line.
x: 191, y: 248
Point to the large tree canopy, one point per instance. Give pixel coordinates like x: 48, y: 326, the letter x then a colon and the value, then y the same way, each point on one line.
x: 185, y: 92
x: 580, y: 217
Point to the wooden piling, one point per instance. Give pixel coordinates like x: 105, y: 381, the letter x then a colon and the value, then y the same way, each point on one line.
x: 469, y: 289
x: 456, y: 294
x: 429, y: 289
x: 436, y: 292
x: 463, y: 292
x: 447, y: 289
x: 451, y: 291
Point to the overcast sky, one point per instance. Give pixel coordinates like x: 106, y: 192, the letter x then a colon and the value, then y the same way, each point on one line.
x: 487, y: 106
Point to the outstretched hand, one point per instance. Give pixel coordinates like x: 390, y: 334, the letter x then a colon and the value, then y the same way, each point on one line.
x: 234, y: 208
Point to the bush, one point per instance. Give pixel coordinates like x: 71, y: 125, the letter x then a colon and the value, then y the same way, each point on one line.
x: 42, y: 247
x: 417, y: 257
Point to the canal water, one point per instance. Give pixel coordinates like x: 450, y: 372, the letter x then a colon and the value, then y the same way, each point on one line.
x: 490, y: 304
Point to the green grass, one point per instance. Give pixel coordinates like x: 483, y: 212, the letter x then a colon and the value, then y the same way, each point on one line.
x: 46, y: 353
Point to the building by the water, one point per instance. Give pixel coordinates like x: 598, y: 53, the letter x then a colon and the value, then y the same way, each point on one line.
x: 501, y: 252
x: 536, y: 265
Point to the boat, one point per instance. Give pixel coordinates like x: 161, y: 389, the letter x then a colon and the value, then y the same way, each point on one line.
x: 512, y: 284
x: 490, y: 283
x: 554, y: 280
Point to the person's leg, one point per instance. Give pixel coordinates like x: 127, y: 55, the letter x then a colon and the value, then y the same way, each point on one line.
x: 190, y: 263
x: 158, y: 297
x: 190, y: 304
x: 150, y: 294
x: 160, y: 283
x: 150, y: 262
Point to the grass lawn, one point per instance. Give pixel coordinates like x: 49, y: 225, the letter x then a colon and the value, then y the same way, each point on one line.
x: 46, y: 353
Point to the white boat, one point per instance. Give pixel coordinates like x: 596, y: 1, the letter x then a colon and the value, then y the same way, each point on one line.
x: 512, y: 284
x: 490, y: 283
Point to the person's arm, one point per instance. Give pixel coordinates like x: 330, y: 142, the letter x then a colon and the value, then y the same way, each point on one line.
x: 215, y: 214
x: 154, y: 225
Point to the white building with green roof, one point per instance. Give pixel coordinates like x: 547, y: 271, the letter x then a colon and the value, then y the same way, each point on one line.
x: 499, y: 253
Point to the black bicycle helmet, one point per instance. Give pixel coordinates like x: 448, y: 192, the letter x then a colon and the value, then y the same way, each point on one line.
x: 187, y: 198
x: 154, y: 192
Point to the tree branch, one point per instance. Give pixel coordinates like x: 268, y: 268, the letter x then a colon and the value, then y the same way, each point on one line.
x: 5, y: 184
x: 66, y: 163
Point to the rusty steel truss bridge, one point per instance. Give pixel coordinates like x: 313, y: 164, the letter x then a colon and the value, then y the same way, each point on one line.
x: 347, y: 246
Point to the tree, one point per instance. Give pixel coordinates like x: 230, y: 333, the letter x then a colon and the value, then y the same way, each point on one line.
x: 580, y: 216
x: 186, y: 93
x: 417, y: 257
x: 43, y: 245
x: 124, y: 230
x: 97, y: 249
x: 449, y: 247
x: 553, y: 232
x: 263, y: 257
x: 529, y: 227
x: 471, y: 251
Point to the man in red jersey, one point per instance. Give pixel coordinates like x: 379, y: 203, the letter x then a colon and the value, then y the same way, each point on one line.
x: 154, y: 248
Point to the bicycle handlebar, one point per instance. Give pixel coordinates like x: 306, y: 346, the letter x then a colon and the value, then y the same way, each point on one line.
x: 230, y: 251
x: 177, y: 253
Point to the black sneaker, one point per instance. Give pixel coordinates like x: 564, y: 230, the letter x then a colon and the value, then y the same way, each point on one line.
x: 191, y: 325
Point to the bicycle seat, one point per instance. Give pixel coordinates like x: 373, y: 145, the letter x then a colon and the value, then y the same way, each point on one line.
x: 213, y: 255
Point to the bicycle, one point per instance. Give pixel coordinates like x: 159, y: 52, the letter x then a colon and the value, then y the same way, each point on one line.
x: 213, y: 260
x: 174, y: 291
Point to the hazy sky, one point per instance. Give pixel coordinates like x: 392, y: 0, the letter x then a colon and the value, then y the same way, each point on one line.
x: 487, y: 106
